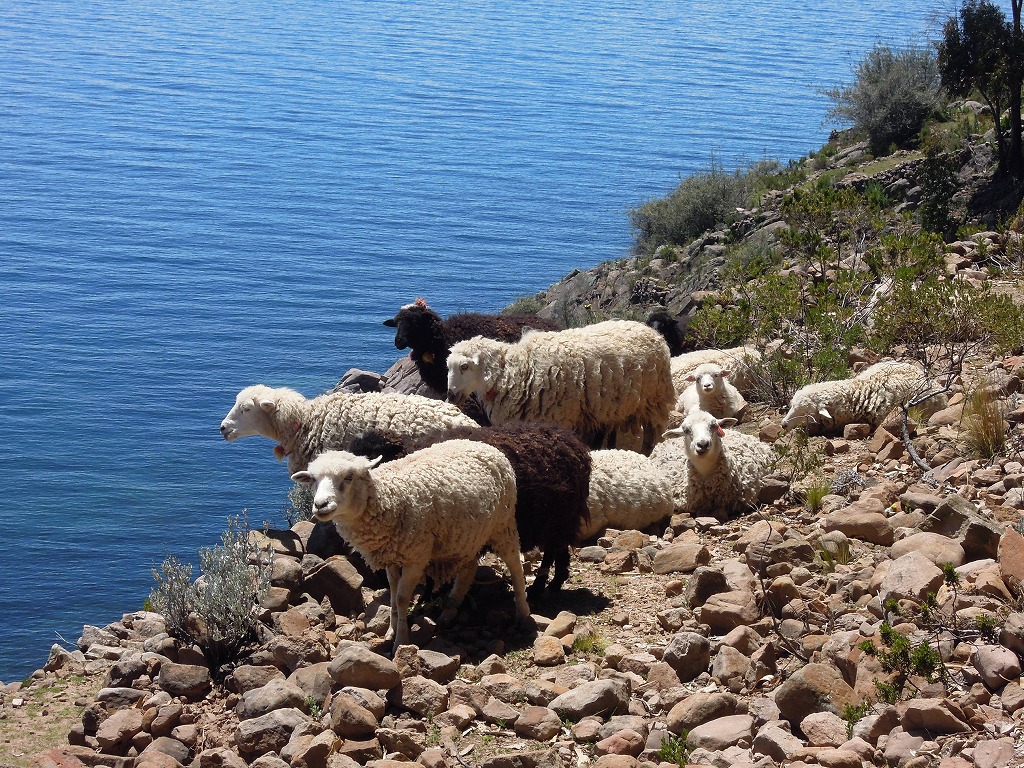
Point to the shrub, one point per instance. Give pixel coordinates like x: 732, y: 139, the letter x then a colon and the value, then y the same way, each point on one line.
x: 300, y: 504
x: 524, y: 305
x: 674, y: 750
x: 218, y: 611
x: 938, y: 185
x: 983, y: 426
x: 893, y: 93
x: 701, y: 202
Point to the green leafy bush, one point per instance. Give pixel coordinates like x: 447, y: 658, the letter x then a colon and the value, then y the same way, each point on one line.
x: 893, y: 93
x: 218, y: 611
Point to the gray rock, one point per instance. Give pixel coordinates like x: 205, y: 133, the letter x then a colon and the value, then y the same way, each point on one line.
x: 1012, y: 633
x: 355, y: 664
x: 824, y: 729
x: 219, y: 757
x: 421, y: 695
x: 704, y: 583
x: 247, y: 677
x: 936, y: 547
x: 813, y: 688
x: 314, y: 681
x: 689, y: 654
x: 775, y: 742
x: 730, y: 668
x: 277, y: 694
x: 606, y: 696
x: 996, y: 665
x: 933, y: 716
x: 339, y: 581
x: 166, y: 746
x: 269, y: 733
x: 538, y: 723
x: 350, y: 719
x: 910, y: 577
x: 699, y: 708
x: 728, y: 610
x: 189, y: 680
x: 681, y: 558
x: 120, y: 728
x: 958, y: 518
x: 722, y: 733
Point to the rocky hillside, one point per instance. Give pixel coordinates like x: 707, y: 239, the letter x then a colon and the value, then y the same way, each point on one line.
x: 863, y: 614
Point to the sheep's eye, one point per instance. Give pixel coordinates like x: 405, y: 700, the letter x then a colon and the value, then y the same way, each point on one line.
x: 687, y: 431
x: 464, y: 367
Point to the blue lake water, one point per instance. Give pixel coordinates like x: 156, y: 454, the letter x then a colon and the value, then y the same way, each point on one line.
x: 196, y: 197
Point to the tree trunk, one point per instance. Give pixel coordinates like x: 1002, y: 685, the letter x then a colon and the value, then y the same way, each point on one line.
x: 1015, y: 160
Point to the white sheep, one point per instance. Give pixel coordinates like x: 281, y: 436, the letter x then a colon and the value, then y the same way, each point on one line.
x: 738, y: 360
x: 711, y: 391
x: 712, y: 470
x: 866, y: 398
x: 602, y: 381
x: 437, y: 507
x: 304, y: 428
x: 627, y: 491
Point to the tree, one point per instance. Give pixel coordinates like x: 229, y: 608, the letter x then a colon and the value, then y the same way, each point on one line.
x: 982, y: 51
x: 893, y: 93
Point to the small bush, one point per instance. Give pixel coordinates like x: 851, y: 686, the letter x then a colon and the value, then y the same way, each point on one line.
x: 218, y: 611
x: 524, y: 305
x: 893, y: 93
x: 938, y: 185
x: 300, y: 504
x: 814, y: 494
x: 983, y: 426
x: 674, y: 750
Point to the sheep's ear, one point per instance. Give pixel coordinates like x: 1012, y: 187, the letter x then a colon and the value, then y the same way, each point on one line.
x: 725, y: 373
x: 728, y: 422
x: 374, y: 462
x: 490, y: 372
x: 269, y: 406
x: 391, y: 322
x: 674, y: 432
x: 304, y: 477
x: 691, y: 377
x: 823, y: 412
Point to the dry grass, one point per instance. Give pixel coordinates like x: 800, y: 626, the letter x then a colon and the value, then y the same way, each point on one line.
x: 983, y: 425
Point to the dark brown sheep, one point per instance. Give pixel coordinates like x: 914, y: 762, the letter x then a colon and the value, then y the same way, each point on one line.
x: 552, y: 468
x: 422, y: 330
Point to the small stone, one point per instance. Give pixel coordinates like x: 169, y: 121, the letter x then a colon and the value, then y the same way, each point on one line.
x: 538, y: 723
x: 120, y: 728
x: 625, y: 742
x: 910, y: 577
x: 700, y: 708
x: 681, y: 558
x: 689, y: 654
x: 824, y: 729
x: 548, y: 651
x: 350, y: 719
x: 606, y: 696
x: 187, y: 680
x: 355, y: 664
x: 721, y: 733
x: 813, y: 688
x: 277, y: 694
x: 421, y: 695
x: 932, y: 715
x: 996, y: 665
x: 936, y: 547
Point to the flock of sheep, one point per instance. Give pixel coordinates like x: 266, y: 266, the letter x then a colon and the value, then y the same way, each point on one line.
x: 576, y: 441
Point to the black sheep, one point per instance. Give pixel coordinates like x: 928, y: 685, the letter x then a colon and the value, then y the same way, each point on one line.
x: 430, y: 338
x: 673, y: 329
x: 552, y: 468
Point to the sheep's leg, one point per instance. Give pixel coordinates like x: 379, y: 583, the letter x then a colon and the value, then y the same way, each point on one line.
x: 411, y: 575
x: 463, y: 581
x: 394, y: 576
x: 508, y: 551
x: 541, y: 579
x: 649, y: 439
x: 561, y: 558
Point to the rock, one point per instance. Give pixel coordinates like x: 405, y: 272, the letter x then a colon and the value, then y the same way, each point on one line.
x: 339, y: 581
x: 1010, y: 555
x: 541, y: 758
x: 958, y: 518
x: 726, y: 611
x: 548, y: 651
x: 704, y: 583
x: 699, y: 708
x: 421, y: 695
x: 355, y: 664
x: 775, y: 742
x: 606, y: 696
x: 933, y: 716
x: 538, y: 723
x: 118, y: 729
x: 625, y: 742
x: 217, y: 757
x: 277, y: 694
x: 350, y: 719
x: 616, y: 761
x: 996, y: 753
x: 166, y: 718
x: 681, y: 558
x: 910, y: 577
x: 721, y: 733
x: 824, y: 729
x: 269, y: 733
x: 996, y: 665
x: 293, y: 652
x: 1012, y: 633
x: 173, y: 748
x: 405, y: 741
x: 187, y: 680
x: 862, y: 520
x: 500, y: 713
x: 900, y: 747
x: 247, y: 677
x: 730, y: 668
x: 314, y: 681
x: 689, y: 654
x: 813, y: 688
x: 936, y: 547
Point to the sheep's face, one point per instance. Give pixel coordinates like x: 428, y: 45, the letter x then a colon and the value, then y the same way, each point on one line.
x: 415, y: 326
x: 465, y: 376
x: 708, y: 378
x: 250, y: 415
x: 340, y: 483
x: 702, y: 435
x: 805, y: 412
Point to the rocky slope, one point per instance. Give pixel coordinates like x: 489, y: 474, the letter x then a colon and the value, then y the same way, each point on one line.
x: 751, y: 641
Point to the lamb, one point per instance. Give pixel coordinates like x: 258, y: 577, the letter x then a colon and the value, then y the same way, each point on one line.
x: 430, y: 338
x: 437, y: 507
x: 866, y: 398
x: 738, y: 360
x: 552, y: 469
x: 627, y: 491
x: 712, y: 471
x: 673, y: 329
x: 305, y: 428
x: 711, y: 391
x: 599, y: 381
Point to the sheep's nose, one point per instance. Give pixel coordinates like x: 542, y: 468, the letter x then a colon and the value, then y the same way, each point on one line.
x: 454, y: 396
x: 703, y: 446
x: 224, y: 429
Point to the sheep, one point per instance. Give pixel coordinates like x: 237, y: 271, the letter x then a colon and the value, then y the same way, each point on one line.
x: 439, y: 507
x: 430, y: 338
x: 627, y: 491
x: 866, y: 398
x: 738, y: 360
x: 599, y: 381
x: 304, y: 428
x: 673, y: 329
x: 552, y: 468
x: 711, y: 391
x: 711, y: 470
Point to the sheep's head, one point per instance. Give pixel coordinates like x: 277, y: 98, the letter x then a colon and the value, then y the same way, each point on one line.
x: 702, y: 436
x: 805, y: 411
x: 252, y: 413
x: 417, y: 326
x: 708, y: 377
x: 340, y: 484
x: 472, y: 368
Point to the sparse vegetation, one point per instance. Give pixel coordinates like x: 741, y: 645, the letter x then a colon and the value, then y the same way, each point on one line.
x: 674, y: 750
x: 983, y: 426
